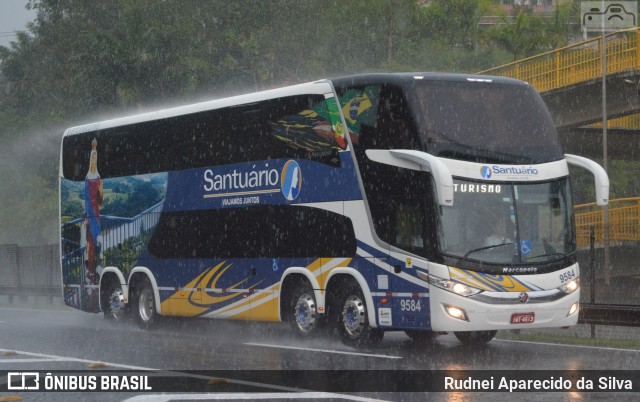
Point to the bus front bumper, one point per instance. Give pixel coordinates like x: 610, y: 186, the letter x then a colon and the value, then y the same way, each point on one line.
x: 452, y: 312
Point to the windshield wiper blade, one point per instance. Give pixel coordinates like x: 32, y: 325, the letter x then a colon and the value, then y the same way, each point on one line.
x: 460, y: 149
x: 546, y: 255
x: 475, y: 250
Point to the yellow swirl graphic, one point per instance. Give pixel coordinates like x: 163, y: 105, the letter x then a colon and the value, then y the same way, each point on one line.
x: 493, y: 283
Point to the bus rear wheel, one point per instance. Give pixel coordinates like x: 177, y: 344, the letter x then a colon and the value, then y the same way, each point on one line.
x: 144, y: 305
x: 354, y: 326
x: 113, y: 304
x: 475, y: 337
x: 304, y: 318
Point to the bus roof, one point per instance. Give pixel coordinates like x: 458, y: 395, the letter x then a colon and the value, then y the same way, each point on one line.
x: 402, y: 78
x: 316, y: 87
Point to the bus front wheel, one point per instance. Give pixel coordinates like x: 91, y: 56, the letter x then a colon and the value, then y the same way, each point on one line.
x: 144, y: 305
x: 475, y: 337
x: 353, y: 324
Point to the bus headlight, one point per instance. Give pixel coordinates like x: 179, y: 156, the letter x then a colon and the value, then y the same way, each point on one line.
x: 454, y: 287
x: 570, y: 286
x: 456, y: 312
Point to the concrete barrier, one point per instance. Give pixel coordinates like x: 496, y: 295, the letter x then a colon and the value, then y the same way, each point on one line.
x: 30, y: 273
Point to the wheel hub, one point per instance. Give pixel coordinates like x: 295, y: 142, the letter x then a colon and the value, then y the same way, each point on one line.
x: 353, y: 316
x: 305, y: 313
x: 116, y: 304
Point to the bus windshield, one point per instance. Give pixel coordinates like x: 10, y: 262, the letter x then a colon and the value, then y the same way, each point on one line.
x: 485, y: 122
x: 508, y: 223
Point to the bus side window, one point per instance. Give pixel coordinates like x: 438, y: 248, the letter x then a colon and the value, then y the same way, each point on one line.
x: 394, y: 127
x: 398, y: 198
x: 266, y: 231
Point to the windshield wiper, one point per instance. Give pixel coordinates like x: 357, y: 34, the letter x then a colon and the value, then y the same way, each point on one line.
x: 475, y: 250
x: 442, y: 145
x: 546, y: 255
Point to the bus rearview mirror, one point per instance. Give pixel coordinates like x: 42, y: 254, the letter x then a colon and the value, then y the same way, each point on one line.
x: 417, y: 160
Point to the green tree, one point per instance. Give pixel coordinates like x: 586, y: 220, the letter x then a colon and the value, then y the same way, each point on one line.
x: 530, y: 34
x: 522, y: 38
x: 454, y: 22
x: 561, y: 27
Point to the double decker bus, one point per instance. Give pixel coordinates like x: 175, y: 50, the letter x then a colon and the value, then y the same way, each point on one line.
x: 424, y: 203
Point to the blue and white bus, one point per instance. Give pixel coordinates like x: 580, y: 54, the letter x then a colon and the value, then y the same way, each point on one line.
x: 423, y: 203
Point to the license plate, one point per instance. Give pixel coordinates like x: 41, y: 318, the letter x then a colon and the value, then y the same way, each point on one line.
x: 523, y: 318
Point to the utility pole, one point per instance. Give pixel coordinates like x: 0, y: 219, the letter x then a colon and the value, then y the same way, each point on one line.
x: 605, y: 158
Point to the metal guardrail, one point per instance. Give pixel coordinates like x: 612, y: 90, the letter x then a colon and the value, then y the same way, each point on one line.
x: 576, y: 63
x: 610, y: 314
x: 624, y: 221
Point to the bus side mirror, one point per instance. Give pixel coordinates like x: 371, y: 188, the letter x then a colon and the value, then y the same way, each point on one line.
x: 600, y: 175
x: 417, y: 160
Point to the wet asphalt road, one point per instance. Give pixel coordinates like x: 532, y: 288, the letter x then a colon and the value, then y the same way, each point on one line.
x: 72, y: 340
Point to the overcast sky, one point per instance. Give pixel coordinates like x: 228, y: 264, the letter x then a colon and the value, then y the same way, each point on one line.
x: 13, y: 17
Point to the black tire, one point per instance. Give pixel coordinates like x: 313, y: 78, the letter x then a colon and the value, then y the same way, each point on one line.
x: 301, y: 311
x: 144, y: 304
x: 475, y: 337
x: 422, y: 337
x: 113, y: 305
x: 353, y: 319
